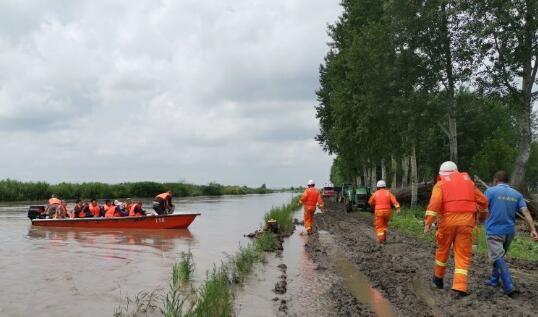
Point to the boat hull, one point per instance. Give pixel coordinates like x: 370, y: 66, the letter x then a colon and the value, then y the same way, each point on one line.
x: 174, y: 221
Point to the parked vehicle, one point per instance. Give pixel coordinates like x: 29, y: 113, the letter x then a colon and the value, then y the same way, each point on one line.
x: 328, y: 191
x: 354, y: 196
x: 362, y: 194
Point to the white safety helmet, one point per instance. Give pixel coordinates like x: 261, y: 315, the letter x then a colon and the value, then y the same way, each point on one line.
x: 311, y: 182
x: 448, y: 167
x: 381, y: 184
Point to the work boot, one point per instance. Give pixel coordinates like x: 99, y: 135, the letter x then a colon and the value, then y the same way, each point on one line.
x: 438, y: 282
x: 460, y: 294
x: 493, y: 281
x: 506, y: 276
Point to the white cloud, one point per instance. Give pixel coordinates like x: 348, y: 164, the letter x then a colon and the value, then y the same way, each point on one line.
x: 162, y: 90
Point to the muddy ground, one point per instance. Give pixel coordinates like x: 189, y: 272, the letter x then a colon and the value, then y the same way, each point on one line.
x: 402, y: 269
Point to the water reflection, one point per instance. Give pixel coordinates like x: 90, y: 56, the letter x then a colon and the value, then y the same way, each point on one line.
x: 163, y: 240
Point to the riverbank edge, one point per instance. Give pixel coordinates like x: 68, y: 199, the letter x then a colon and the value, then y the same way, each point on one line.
x: 215, y: 295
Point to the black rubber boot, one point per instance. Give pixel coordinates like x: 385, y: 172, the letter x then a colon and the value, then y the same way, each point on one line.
x: 460, y: 294
x: 438, y: 282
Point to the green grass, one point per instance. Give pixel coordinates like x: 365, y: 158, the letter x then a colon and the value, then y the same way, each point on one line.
x: 266, y: 242
x: 284, y: 216
x: 173, y: 304
x: 243, y: 262
x: 214, y: 297
x: 411, y: 222
x: 182, y: 271
x: 142, y: 304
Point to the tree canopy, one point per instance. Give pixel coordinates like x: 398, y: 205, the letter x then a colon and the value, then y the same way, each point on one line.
x: 424, y: 81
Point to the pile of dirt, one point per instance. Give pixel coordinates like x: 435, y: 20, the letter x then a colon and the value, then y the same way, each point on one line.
x: 402, y: 269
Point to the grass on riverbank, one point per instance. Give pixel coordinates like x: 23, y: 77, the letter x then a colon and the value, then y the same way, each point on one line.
x: 182, y: 271
x: 215, y: 295
x: 411, y: 221
x: 284, y: 216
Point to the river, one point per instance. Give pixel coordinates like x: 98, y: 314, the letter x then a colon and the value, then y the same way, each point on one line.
x: 81, y: 272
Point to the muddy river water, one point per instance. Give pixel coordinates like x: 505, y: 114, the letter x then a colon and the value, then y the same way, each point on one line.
x: 81, y: 272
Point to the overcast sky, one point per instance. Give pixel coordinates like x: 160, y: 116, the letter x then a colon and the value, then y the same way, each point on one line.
x: 190, y: 90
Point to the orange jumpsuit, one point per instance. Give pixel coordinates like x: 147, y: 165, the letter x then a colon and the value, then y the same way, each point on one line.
x: 383, y: 200
x: 310, y: 198
x: 455, y: 226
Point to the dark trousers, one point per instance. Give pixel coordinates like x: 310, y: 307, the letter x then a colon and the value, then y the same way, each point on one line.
x: 159, y: 207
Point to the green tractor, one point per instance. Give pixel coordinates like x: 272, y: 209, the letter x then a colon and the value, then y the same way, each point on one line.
x: 351, y: 196
x: 362, y: 195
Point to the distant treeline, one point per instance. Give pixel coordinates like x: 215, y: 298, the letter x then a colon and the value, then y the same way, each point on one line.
x: 12, y: 190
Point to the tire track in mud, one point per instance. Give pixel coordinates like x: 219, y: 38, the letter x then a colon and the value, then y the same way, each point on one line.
x: 401, y: 270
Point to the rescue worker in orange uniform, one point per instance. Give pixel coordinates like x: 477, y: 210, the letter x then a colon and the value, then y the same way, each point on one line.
x: 55, y: 207
x: 310, y: 199
x: 382, y: 201
x: 454, y: 204
x: 162, y: 204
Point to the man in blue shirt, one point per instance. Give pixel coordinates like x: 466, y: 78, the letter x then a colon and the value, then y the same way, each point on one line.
x: 504, y: 202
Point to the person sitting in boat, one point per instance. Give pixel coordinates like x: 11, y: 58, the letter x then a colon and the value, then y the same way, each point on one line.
x: 82, y: 210
x: 162, y: 203
x: 110, y: 210
x: 122, y: 207
x: 127, y: 205
x: 115, y: 209
x: 136, y: 209
x: 55, y: 207
x: 97, y: 211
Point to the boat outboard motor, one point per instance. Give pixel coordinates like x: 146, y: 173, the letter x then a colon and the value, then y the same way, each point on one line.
x: 36, y: 212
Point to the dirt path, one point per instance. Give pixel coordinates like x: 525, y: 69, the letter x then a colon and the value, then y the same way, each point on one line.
x: 401, y: 270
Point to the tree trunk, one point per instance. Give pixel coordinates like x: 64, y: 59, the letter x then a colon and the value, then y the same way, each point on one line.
x: 373, y: 174
x: 366, y: 173
x: 524, y: 147
x: 524, y: 115
x: 452, y: 110
x: 405, y: 168
x: 359, y: 181
x: 383, y: 170
x: 414, y: 178
x: 394, y: 168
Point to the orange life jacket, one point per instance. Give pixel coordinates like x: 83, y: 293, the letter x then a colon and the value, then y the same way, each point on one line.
x: 133, y: 211
x: 96, y: 210
x: 111, y: 211
x: 311, y: 196
x: 382, y: 199
x: 55, y: 201
x: 458, y: 193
